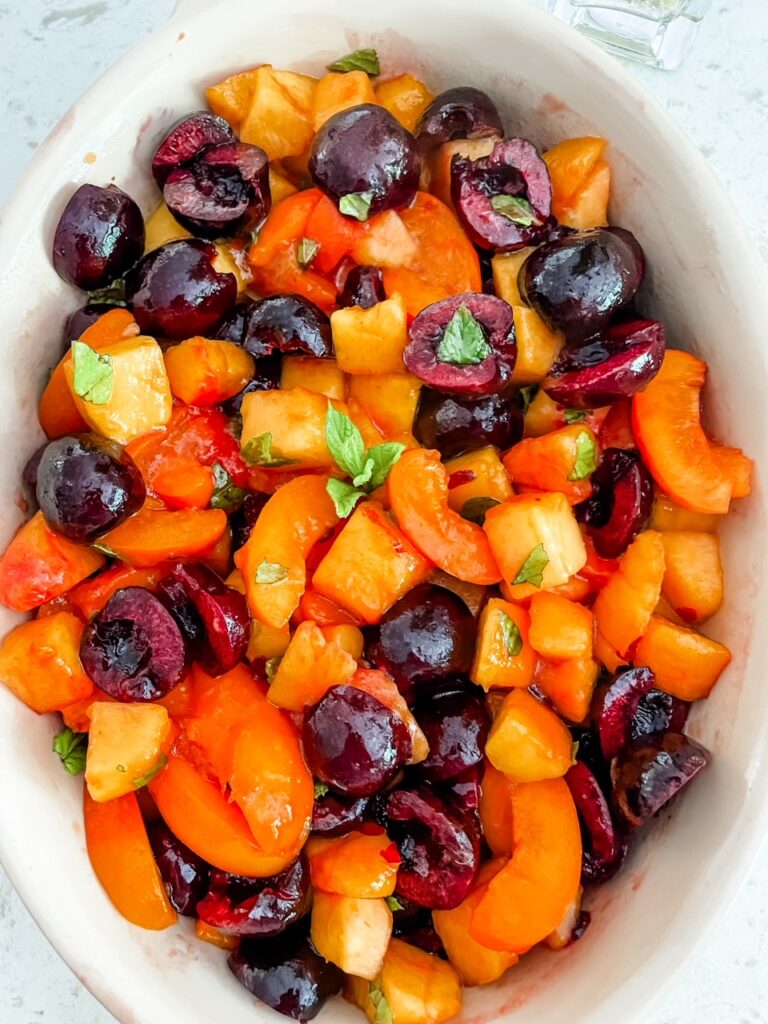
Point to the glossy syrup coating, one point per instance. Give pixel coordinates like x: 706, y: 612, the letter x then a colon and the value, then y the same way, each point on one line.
x: 579, y: 283
x: 457, y: 423
x: 86, y: 485
x: 336, y: 815
x: 184, y: 873
x: 175, y: 291
x: 287, y: 325
x: 456, y: 723
x: 286, y: 973
x: 133, y: 649
x: 259, y: 907
x: 620, y: 503
x: 364, y: 151
x: 459, y: 113
x: 99, y: 237
x: 354, y: 743
x: 653, y: 770
x: 425, y: 638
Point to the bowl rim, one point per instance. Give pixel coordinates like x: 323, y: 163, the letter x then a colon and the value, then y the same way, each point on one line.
x: 753, y: 821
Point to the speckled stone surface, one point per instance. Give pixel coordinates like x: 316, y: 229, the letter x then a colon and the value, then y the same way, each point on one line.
x: 51, y: 51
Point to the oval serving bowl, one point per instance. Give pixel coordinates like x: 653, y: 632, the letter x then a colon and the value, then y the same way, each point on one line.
x: 706, y: 282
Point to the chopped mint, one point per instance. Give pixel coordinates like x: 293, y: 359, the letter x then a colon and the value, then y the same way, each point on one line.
x: 93, y: 374
x: 586, y: 457
x: 464, y: 342
x: 513, y: 639
x: 258, y: 452
x: 270, y: 572
x: 226, y: 495
x: 532, y: 569
x: 366, y: 60
x: 72, y: 748
x: 356, y: 204
x: 516, y: 209
x: 476, y: 508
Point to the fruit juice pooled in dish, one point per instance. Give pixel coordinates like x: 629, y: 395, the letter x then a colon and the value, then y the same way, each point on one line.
x: 372, y: 545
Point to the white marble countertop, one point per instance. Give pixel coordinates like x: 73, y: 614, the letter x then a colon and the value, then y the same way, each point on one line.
x: 54, y: 49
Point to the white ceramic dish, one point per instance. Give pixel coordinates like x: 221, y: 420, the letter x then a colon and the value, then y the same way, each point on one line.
x: 708, y: 284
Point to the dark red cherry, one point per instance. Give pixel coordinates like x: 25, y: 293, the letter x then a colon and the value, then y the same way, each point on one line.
x: 440, y: 856
x: 175, y: 291
x: 617, y: 705
x: 503, y: 200
x: 580, y: 282
x: 86, y: 485
x: 286, y: 973
x: 354, y: 743
x: 365, y: 153
x: 185, y: 139
x: 620, y: 503
x: 258, y: 907
x: 364, y: 287
x: 658, y: 712
x: 456, y: 423
x: 287, y: 325
x: 426, y: 638
x: 456, y: 724
x: 133, y: 649
x: 652, y: 771
x: 335, y: 815
x: 184, y: 873
x: 225, y: 189
x: 459, y: 113
x: 464, y: 345
x: 617, y: 364
x: 99, y: 237
x: 603, y: 851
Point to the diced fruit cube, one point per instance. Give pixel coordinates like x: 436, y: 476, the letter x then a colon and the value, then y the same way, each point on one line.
x: 206, y: 371
x: 280, y: 186
x: 537, y: 347
x: 413, y: 987
x: 310, y: 666
x: 476, y: 964
x: 693, y: 574
x: 560, y: 629
x: 385, y: 242
x: 405, y: 97
x: 589, y: 207
x: 477, y: 475
x: 570, y: 164
x: 267, y: 641
x: 231, y: 98
x: 389, y: 399
x: 535, y: 537
x: 348, y: 637
x: 543, y: 415
x: 338, y: 91
x: 40, y: 663
x: 370, y: 341
x: 361, y: 864
x: 440, y: 164
x: 391, y: 567
x: 39, y: 565
x: 295, y: 424
x: 162, y: 227
x: 352, y: 933
x: 504, y: 657
x: 624, y: 606
x: 274, y: 120
x: 528, y: 742
x: 569, y: 685
x: 300, y: 88
x: 319, y: 375
x: 685, y: 663
x: 667, y: 515
x: 126, y: 748
x: 506, y: 271
x: 141, y: 395
x: 123, y: 861
x: 562, y: 460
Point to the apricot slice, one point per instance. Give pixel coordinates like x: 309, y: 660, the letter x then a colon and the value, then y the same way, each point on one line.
x: 528, y: 742
x: 624, y: 606
x: 40, y: 664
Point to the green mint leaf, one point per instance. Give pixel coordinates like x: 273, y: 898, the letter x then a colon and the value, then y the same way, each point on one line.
x: 226, y: 495
x: 72, y: 748
x: 93, y: 376
x: 379, y: 1000
x: 365, y: 476
x: 270, y: 572
x: 356, y: 204
x: 120, y: 768
x: 345, y: 442
x: 586, y: 457
x: 103, y: 549
x: 270, y: 667
x: 366, y: 60
x: 513, y: 639
x: 527, y: 395
x: 154, y: 771
x: 532, y: 569
x: 306, y: 251
x: 574, y: 415
x: 320, y: 790
x: 383, y: 456
x: 344, y: 496
x: 475, y: 509
x: 393, y: 903
x: 258, y: 452
x: 464, y: 342
x: 574, y: 751
x: 112, y: 295
x: 516, y: 209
